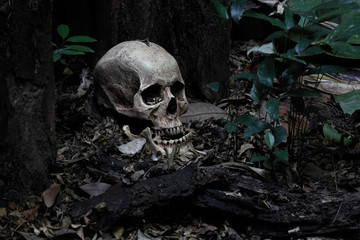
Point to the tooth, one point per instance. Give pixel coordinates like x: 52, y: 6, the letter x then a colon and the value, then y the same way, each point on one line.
x: 176, y: 141
x: 171, y: 142
x: 165, y: 142
x: 181, y: 139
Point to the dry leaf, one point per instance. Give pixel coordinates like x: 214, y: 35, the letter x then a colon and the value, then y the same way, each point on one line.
x: 244, y: 147
x: 131, y: 148
x: 200, y: 111
x: 50, y: 194
x: 30, y: 236
x: 96, y: 188
x: 32, y: 213
x: 63, y: 232
x: 80, y: 233
x: 141, y: 236
x: 118, y: 232
x: 3, y: 212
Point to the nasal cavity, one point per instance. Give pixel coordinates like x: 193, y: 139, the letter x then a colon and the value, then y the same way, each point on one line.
x: 172, y: 107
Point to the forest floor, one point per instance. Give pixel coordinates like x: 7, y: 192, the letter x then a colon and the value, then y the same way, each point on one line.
x: 90, y: 164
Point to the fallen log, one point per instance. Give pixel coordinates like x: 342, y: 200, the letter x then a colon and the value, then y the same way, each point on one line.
x: 268, y: 210
x: 132, y: 201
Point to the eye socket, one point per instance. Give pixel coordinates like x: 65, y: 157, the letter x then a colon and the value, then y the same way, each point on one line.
x: 177, y: 89
x: 152, y: 95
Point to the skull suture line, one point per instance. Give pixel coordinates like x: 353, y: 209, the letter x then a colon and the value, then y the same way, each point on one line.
x: 144, y: 82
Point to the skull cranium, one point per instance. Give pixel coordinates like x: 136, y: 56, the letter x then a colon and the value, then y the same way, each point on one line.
x: 143, y: 81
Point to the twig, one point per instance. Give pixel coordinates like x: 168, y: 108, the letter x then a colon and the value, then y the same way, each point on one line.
x: 337, y: 214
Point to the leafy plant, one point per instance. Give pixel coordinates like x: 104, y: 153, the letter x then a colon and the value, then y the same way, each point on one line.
x: 349, y: 102
x: 301, y: 34
x: 66, y: 48
x: 332, y: 135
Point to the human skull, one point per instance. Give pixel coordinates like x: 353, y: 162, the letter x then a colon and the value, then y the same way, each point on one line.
x: 141, y: 80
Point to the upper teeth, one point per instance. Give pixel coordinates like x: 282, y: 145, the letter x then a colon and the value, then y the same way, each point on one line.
x: 170, y: 131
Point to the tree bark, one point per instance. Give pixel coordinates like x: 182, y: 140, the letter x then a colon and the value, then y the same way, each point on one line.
x: 27, y: 92
x: 187, y: 29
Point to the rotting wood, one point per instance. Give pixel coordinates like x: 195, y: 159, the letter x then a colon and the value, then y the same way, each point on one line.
x: 268, y: 210
x: 132, y: 201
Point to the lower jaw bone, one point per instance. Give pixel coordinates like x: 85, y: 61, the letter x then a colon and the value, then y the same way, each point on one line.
x: 163, y: 147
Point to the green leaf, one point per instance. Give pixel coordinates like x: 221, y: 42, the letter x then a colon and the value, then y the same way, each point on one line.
x: 272, y: 108
x: 79, y: 48
x: 355, y: 39
x: 248, y: 76
x: 253, y: 124
x: 273, y: 21
x: 327, y: 69
x: 246, y: 119
x: 303, y: 5
x: 269, y: 139
x: 267, y: 164
x: 289, y: 18
x: 345, y: 30
x: 237, y: 9
x: 56, y: 57
x: 349, y: 102
x: 311, y: 51
x: 345, y: 50
x: 64, y: 51
x: 231, y: 127
x: 281, y: 155
x: 332, y: 135
x: 302, y: 45
x: 291, y: 74
x: 274, y: 35
x: 63, y: 30
x: 280, y: 135
x: 349, y: 4
x: 172, y: 157
x: 214, y: 86
x: 329, y: 16
x: 266, y: 72
x: 258, y: 159
x: 292, y: 57
x: 221, y: 9
x: 259, y: 91
x: 302, y: 92
x: 80, y: 39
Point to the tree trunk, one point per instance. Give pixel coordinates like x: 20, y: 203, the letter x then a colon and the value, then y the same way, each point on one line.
x: 187, y: 29
x: 27, y: 139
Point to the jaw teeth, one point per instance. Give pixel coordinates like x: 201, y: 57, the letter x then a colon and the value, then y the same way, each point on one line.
x: 170, y: 131
x: 175, y: 141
